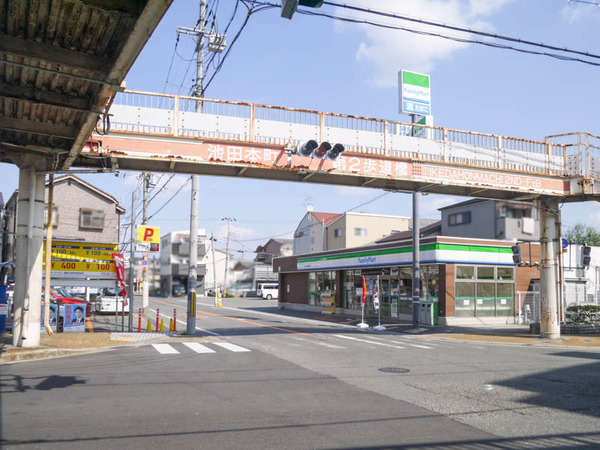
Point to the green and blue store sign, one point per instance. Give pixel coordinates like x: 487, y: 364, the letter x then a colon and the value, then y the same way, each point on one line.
x: 429, y: 253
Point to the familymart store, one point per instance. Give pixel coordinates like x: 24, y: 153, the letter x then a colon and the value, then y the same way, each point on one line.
x: 471, y: 280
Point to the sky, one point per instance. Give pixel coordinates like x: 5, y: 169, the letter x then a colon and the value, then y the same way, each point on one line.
x: 318, y: 63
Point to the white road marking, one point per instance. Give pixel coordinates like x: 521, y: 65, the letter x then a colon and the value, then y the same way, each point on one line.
x: 165, y: 349
x: 367, y: 341
x: 404, y: 343
x: 339, y: 347
x: 198, y: 348
x: 231, y: 347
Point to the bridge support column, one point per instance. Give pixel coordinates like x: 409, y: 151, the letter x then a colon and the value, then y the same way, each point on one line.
x: 28, y: 260
x: 549, y: 268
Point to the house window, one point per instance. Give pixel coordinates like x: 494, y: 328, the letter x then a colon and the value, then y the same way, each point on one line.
x: 337, y: 232
x: 461, y: 218
x: 91, y: 219
x: 54, y: 216
x: 361, y: 232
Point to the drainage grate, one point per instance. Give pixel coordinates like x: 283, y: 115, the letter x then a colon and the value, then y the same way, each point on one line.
x: 394, y: 370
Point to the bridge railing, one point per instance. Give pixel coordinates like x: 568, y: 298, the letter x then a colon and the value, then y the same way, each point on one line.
x: 169, y: 115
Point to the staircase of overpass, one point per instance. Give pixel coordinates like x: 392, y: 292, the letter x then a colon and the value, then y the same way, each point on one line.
x: 168, y: 133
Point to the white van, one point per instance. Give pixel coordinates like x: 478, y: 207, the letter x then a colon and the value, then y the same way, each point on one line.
x: 107, y: 301
x: 267, y: 290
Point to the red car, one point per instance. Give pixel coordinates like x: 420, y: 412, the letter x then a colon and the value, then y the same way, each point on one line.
x: 61, y: 295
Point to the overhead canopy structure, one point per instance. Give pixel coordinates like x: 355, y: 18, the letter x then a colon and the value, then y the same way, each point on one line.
x: 61, y: 61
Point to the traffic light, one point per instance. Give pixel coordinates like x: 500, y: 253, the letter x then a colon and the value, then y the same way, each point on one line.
x: 288, y: 7
x: 586, y: 256
x: 516, y: 254
x: 312, y: 149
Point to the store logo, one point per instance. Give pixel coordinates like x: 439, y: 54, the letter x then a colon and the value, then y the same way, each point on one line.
x: 367, y: 260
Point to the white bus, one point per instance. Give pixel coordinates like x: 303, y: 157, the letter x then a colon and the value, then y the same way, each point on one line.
x: 267, y: 290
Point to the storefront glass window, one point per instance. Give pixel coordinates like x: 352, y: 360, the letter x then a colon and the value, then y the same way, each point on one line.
x: 492, y: 294
x: 486, y: 300
x: 505, y: 299
x: 464, y: 300
x: 465, y: 272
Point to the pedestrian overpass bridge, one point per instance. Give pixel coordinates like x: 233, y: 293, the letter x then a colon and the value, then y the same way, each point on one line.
x: 168, y: 133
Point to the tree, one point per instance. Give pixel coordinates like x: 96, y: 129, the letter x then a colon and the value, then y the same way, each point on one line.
x: 583, y: 234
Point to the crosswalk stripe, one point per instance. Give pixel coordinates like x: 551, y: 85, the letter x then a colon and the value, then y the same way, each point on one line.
x: 164, y: 349
x: 367, y: 341
x: 198, y: 348
x: 231, y: 347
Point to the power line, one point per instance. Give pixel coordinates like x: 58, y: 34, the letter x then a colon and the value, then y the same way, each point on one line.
x: 171, y: 198
x: 449, y: 37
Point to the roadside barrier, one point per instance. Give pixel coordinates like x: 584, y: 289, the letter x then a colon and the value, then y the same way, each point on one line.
x: 157, y: 317
x: 140, y: 321
x: 174, y: 319
x: 170, y: 325
x: 149, y: 327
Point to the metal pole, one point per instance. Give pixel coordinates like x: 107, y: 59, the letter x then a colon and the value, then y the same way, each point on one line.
x: 131, y: 255
x: 50, y: 223
x: 212, y: 242
x: 549, y: 277
x: 416, y: 292
x: 229, y: 220
x: 192, y: 272
x: 146, y: 183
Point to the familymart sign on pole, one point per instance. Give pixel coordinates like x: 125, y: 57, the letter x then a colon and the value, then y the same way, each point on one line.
x: 415, y: 93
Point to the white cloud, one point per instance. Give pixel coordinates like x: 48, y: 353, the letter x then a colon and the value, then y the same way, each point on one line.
x: 235, y: 233
x: 578, y: 12
x: 389, y: 51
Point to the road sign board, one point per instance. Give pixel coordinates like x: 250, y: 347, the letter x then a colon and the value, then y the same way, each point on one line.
x: 415, y: 93
x: 78, y: 259
x: 150, y: 235
x: 565, y: 243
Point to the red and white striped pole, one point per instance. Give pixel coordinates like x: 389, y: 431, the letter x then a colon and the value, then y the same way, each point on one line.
x: 157, y: 314
x: 174, y: 319
x: 140, y: 321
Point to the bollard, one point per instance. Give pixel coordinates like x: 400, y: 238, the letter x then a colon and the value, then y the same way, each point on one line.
x: 149, y: 327
x: 140, y: 321
x: 162, y: 326
x: 174, y: 319
x: 170, y: 325
x: 157, y: 314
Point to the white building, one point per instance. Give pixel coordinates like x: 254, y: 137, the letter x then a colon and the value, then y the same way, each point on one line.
x: 175, y: 258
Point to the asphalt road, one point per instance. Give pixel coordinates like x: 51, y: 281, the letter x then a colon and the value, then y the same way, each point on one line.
x: 288, y: 382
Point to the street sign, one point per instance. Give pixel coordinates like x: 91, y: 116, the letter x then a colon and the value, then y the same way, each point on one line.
x: 150, y: 235
x: 78, y: 259
x: 565, y: 243
x: 415, y: 93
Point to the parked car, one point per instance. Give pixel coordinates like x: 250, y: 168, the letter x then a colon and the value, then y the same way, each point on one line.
x: 107, y: 301
x: 59, y: 294
x: 178, y: 290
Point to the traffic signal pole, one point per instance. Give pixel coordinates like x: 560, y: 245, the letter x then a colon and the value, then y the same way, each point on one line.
x: 146, y: 183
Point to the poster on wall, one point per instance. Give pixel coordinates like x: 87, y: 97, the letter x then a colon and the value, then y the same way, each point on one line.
x: 74, y: 319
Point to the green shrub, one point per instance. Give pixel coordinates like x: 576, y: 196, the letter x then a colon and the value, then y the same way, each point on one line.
x: 583, y: 313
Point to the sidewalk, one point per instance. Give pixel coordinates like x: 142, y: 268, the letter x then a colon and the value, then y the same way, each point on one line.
x: 64, y: 344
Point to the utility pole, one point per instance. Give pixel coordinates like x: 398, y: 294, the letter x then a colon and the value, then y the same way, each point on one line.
x: 216, y: 44
x: 229, y: 220
x: 193, y: 270
x: 146, y: 184
x: 416, y: 291
x: 131, y: 254
x: 212, y: 244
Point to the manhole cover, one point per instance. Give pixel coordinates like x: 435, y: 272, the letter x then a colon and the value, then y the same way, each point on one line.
x: 393, y: 370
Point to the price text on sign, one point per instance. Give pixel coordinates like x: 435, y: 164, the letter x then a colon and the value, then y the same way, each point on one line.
x: 148, y: 234
x: 81, y: 251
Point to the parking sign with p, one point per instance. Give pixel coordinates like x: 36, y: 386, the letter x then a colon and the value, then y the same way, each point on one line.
x: 149, y: 235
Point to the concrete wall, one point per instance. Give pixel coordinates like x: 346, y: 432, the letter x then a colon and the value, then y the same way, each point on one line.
x: 377, y: 226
